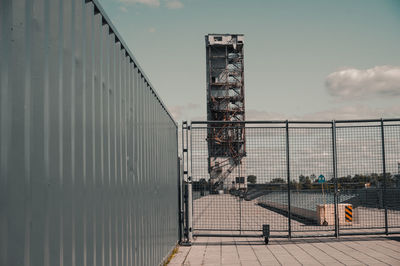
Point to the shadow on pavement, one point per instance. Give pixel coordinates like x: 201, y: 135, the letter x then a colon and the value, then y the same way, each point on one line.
x: 280, y: 241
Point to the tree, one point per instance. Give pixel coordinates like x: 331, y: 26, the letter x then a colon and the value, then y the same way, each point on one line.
x: 294, y: 184
x: 307, y: 183
x: 278, y: 180
x: 252, y: 179
x: 203, y: 182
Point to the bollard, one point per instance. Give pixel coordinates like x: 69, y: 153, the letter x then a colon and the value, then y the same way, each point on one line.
x: 266, y: 233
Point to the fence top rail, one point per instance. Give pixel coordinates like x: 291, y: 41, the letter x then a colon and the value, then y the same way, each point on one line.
x: 369, y: 120
x: 260, y: 122
x: 296, y: 121
x: 106, y: 20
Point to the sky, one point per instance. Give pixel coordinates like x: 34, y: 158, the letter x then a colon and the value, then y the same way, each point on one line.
x: 309, y: 59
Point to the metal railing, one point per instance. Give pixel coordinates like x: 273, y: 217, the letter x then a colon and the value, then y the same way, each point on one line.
x: 303, y: 178
x: 88, y: 151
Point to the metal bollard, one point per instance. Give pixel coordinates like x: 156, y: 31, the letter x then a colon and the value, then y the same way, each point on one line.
x: 266, y: 233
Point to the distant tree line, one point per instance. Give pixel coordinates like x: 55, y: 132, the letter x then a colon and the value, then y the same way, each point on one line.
x: 356, y: 181
x: 311, y: 182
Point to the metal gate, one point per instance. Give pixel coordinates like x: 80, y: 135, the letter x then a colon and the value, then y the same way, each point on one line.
x: 300, y: 178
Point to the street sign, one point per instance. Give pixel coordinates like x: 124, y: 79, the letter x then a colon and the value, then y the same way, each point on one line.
x: 321, y: 179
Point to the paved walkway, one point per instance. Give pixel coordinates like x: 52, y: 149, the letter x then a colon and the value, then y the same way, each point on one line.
x: 227, y: 212
x: 308, y: 251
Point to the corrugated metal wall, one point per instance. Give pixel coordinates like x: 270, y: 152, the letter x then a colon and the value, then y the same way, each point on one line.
x: 88, y: 152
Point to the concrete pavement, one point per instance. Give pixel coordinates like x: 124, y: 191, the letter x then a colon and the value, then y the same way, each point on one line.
x: 306, y: 251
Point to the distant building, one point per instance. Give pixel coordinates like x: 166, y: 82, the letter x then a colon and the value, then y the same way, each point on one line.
x: 225, y: 102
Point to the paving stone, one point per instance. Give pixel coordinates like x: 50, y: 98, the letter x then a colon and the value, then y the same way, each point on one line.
x: 347, y: 250
x: 369, y: 251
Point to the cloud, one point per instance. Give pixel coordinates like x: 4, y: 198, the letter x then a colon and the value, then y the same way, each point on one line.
x: 354, y: 112
x: 182, y: 112
x: 348, y: 112
x: 152, y: 30
x: 253, y: 114
x: 150, y: 3
x: 173, y: 4
x: 123, y: 9
x: 352, y: 83
x: 170, y: 4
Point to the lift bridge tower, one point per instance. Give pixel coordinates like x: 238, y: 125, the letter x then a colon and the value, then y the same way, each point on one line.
x: 225, y: 102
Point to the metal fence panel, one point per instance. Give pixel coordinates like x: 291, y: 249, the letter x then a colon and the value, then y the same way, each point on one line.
x: 304, y: 178
x: 210, y: 212
x: 266, y: 159
x: 88, y: 151
x: 311, y: 156
x: 359, y: 154
x: 392, y: 150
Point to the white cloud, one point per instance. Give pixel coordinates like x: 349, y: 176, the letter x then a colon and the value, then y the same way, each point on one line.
x: 174, y: 4
x: 355, y: 112
x: 182, y: 112
x: 348, y: 112
x: 151, y: 3
x: 123, y: 9
x: 253, y: 114
x: 352, y: 83
x: 170, y: 4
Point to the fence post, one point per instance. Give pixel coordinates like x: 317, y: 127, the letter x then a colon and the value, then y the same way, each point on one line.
x: 185, y: 169
x: 190, y: 196
x: 384, y: 176
x: 180, y: 197
x: 335, y: 194
x: 190, y: 210
x: 180, y: 212
x: 184, y: 186
x: 288, y: 180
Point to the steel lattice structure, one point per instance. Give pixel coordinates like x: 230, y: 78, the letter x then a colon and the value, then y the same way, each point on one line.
x: 225, y: 102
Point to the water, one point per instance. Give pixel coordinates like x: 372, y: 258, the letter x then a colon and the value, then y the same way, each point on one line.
x: 305, y: 200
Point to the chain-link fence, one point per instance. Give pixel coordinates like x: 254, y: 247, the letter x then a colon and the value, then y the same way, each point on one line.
x: 301, y: 178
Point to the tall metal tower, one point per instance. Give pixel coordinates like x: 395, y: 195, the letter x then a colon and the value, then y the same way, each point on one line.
x: 225, y: 102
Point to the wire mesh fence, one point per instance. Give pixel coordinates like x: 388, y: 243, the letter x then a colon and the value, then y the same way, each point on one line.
x: 300, y: 178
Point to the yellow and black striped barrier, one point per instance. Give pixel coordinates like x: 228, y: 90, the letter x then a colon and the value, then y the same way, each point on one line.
x: 349, y: 213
